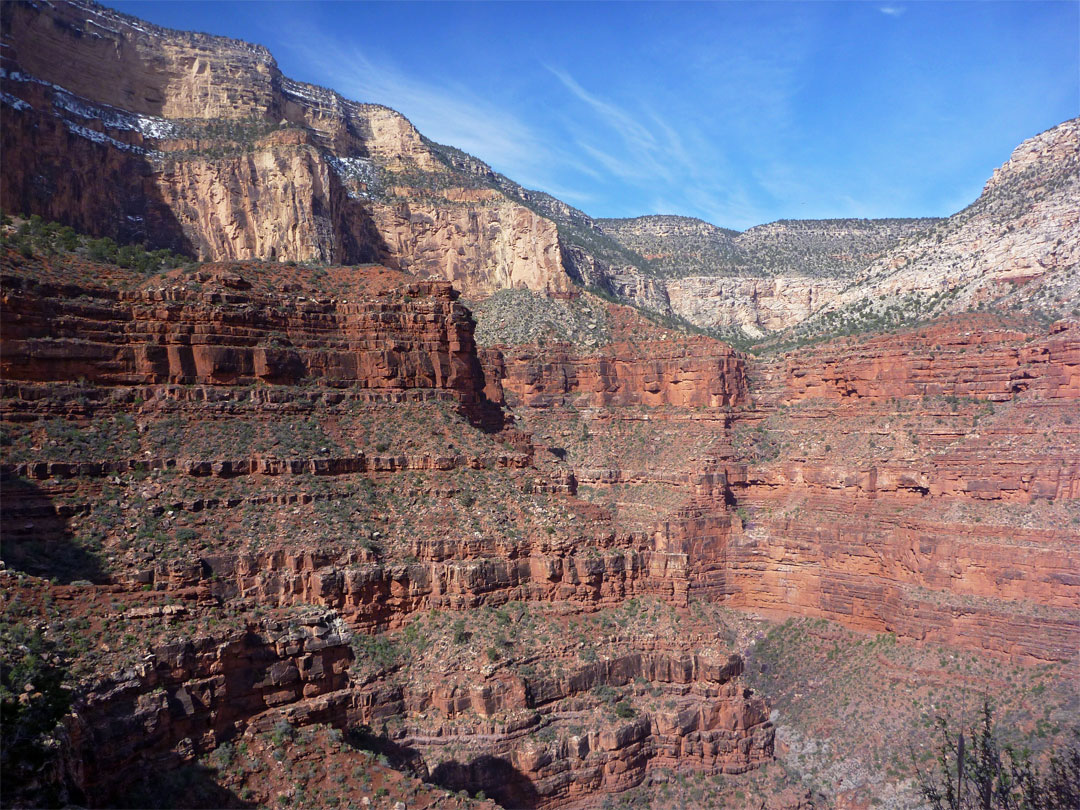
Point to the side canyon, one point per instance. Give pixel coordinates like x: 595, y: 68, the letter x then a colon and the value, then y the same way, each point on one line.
x: 369, y: 478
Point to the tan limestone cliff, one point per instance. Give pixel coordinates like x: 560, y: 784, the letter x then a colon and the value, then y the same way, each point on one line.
x: 198, y: 143
x: 754, y: 305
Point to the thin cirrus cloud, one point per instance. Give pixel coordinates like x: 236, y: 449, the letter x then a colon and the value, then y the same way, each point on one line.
x: 640, y: 148
x: 596, y: 143
x: 735, y: 113
x: 447, y: 113
x: 646, y: 150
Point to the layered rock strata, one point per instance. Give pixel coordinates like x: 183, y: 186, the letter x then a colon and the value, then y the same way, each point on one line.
x: 199, y: 144
x: 917, y: 537
x: 221, y: 352
x: 185, y: 699
x: 702, y: 374
x: 903, y: 527
x: 755, y: 306
x: 710, y: 724
x: 419, y: 339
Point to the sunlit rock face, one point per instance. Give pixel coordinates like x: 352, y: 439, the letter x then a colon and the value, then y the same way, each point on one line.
x: 198, y: 143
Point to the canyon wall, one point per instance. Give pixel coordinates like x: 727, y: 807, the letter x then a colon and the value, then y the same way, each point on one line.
x: 419, y: 337
x: 946, y: 517
x: 199, y: 144
x: 754, y: 305
x: 520, y: 539
x: 701, y: 373
x: 918, y: 482
x: 160, y: 500
x: 190, y: 697
x: 1016, y: 241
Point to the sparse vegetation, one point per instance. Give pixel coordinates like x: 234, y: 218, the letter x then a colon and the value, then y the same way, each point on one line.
x: 975, y: 772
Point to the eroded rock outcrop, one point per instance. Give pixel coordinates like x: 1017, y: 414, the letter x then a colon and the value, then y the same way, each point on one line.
x: 419, y: 337
x: 187, y: 698
x: 754, y: 305
x: 917, y: 482
x: 702, y: 373
x: 710, y: 724
x: 199, y: 144
x: 961, y: 358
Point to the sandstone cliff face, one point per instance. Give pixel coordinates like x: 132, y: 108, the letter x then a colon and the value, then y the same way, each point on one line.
x: 187, y: 698
x: 283, y: 201
x: 171, y: 335
x: 136, y: 66
x: 230, y: 350
x: 625, y: 282
x: 1022, y: 227
x: 939, y: 519
x: 439, y: 239
x: 199, y: 144
x: 705, y: 373
x: 911, y: 539
x: 963, y: 358
x: 754, y: 305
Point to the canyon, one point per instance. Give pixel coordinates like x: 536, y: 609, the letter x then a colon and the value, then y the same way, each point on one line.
x: 201, y: 145
x: 400, y: 485
x: 666, y: 475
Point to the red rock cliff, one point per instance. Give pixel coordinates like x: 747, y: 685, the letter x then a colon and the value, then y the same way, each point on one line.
x: 701, y: 373
x: 416, y: 337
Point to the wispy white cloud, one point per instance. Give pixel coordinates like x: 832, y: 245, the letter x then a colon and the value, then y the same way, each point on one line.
x: 445, y: 112
x: 607, y: 154
x: 892, y: 11
x: 641, y: 147
x: 616, y: 118
x: 669, y: 152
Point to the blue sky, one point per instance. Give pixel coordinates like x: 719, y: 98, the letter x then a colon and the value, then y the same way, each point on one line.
x: 738, y: 113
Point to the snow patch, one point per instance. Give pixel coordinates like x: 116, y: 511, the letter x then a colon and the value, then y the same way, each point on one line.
x: 149, y: 126
x: 16, y: 76
x: 102, y: 138
x: 355, y: 168
x: 104, y: 27
x: 12, y: 101
x: 306, y: 93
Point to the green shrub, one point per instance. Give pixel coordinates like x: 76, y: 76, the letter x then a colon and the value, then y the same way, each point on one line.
x: 624, y: 710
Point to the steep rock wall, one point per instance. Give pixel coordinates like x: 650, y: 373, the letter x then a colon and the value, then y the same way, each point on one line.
x: 754, y: 305
x: 481, y: 243
x: 915, y: 482
x: 198, y: 143
x: 941, y: 524
x: 419, y: 337
x: 703, y: 373
x: 187, y: 698
x: 962, y: 358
